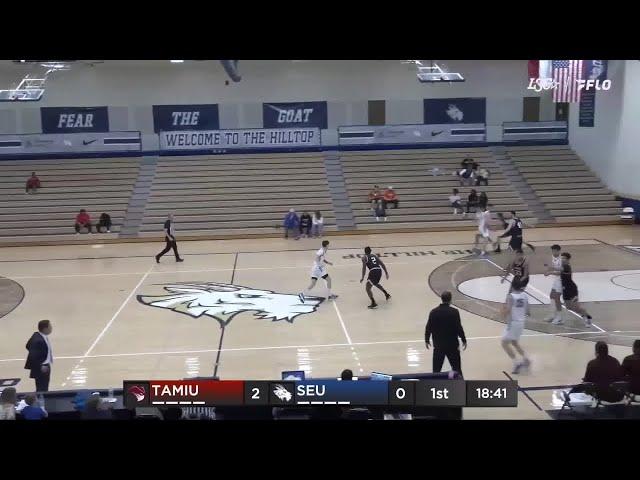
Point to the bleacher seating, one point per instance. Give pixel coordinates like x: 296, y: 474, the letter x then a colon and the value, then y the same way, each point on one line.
x: 98, y: 185
x: 236, y: 195
x: 569, y: 190
x: 423, y: 196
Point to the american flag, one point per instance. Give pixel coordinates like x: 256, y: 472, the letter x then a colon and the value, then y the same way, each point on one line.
x: 566, y: 74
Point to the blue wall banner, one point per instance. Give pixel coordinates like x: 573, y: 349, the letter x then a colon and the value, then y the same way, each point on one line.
x: 74, y: 119
x: 518, y: 131
x: 411, y: 134
x: 455, y: 110
x: 595, y: 70
x: 53, y: 143
x: 587, y: 109
x: 232, y: 139
x: 294, y: 115
x: 185, y: 117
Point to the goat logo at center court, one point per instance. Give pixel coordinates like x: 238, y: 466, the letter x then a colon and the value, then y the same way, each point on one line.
x: 224, y: 301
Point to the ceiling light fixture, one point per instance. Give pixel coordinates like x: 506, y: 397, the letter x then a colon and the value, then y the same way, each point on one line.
x: 177, y: 61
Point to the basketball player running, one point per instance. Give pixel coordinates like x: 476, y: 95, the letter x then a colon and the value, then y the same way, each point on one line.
x: 514, y: 230
x: 375, y: 266
x: 520, y: 268
x: 570, y: 290
x: 484, y: 219
x: 319, y: 271
x: 514, y: 314
x: 555, y: 269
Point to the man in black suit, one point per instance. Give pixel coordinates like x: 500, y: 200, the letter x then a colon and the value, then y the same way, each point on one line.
x: 40, y: 356
x: 444, y: 324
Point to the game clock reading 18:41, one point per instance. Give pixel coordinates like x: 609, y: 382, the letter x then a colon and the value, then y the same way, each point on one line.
x: 495, y: 393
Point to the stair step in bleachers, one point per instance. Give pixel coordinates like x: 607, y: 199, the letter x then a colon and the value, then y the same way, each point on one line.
x: 98, y: 185
x: 248, y: 194
x: 569, y: 190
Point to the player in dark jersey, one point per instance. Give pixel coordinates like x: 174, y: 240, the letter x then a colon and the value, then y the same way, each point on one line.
x: 520, y: 268
x: 375, y: 266
x: 570, y: 290
x: 514, y: 229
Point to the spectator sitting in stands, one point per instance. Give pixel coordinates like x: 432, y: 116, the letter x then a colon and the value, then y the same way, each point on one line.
x: 317, y: 224
x: 472, y: 200
x: 96, y: 410
x: 305, y: 225
x: 374, y: 196
x: 83, y: 220
x: 455, y: 201
x: 466, y: 176
x: 104, y: 222
x: 291, y: 222
x: 483, y: 200
x: 467, y: 163
x: 31, y: 409
x: 602, y: 371
x: 631, y: 369
x: 481, y: 175
x: 390, y: 197
x: 8, y: 399
x: 380, y: 211
x: 33, y: 184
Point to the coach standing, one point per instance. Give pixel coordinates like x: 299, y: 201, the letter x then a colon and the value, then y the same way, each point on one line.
x: 40, y: 356
x: 445, y: 326
x: 170, y: 238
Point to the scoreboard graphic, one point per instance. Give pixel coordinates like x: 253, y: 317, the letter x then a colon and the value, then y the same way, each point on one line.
x: 410, y: 393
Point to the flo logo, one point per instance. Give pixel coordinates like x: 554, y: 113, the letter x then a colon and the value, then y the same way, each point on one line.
x: 223, y: 301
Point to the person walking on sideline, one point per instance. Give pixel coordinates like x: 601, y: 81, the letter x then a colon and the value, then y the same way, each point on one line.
x: 170, y: 238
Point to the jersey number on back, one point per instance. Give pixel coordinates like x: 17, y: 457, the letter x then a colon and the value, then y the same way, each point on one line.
x: 520, y: 303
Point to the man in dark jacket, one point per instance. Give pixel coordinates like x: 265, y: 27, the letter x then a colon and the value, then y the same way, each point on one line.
x: 305, y: 225
x: 603, y: 371
x: 40, y: 356
x: 445, y: 326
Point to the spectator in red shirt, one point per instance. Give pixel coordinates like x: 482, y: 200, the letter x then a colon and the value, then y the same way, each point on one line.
x: 83, y: 220
x: 390, y: 197
x: 603, y: 371
x: 631, y: 368
x: 33, y: 184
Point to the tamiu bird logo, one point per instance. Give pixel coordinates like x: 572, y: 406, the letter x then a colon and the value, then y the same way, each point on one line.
x: 138, y: 392
x: 455, y: 113
x: 224, y: 301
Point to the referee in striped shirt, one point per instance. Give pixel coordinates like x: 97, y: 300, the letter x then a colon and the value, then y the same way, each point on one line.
x: 170, y: 238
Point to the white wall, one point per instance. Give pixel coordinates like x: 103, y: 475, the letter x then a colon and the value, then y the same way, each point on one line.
x: 612, y: 147
x: 130, y: 88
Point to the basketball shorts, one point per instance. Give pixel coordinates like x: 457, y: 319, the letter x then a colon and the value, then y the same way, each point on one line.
x: 557, y: 285
x: 375, y: 276
x: 484, y: 232
x: 523, y: 284
x: 515, y: 243
x: 319, y: 272
x: 513, y: 332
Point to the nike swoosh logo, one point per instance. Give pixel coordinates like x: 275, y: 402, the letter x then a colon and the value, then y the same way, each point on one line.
x: 434, y: 134
x: 84, y: 142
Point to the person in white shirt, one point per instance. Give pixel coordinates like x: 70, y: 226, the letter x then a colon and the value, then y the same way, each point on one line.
x: 317, y: 224
x: 484, y: 232
x: 555, y: 269
x: 515, y: 312
x: 454, y: 200
x: 318, y: 270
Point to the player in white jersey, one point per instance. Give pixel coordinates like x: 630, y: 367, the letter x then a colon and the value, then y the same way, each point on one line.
x: 555, y: 269
x: 318, y: 270
x: 514, y: 313
x: 484, y: 219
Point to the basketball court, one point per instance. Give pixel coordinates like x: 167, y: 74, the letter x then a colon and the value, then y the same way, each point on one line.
x: 118, y: 315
